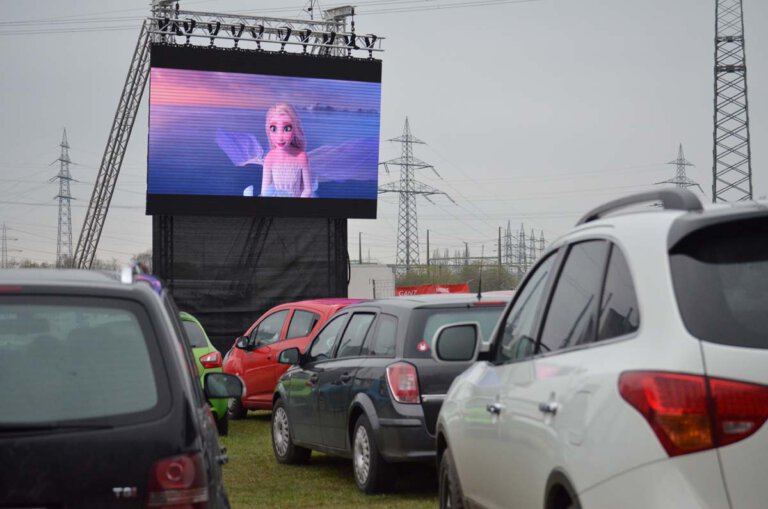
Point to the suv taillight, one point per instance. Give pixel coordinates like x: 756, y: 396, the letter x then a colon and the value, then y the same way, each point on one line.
x: 179, y: 482
x: 211, y: 360
x: 692, y: 413
x: 403, y: 382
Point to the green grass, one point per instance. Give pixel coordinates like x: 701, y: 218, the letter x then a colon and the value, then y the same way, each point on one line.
x: 254, y: 479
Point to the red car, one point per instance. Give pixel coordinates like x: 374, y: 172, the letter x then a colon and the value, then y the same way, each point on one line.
x: 253, y: 357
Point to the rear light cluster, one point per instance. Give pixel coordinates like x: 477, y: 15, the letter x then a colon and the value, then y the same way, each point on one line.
x: 403, y: 382
x: 692, y: 413
x: 211, y: 360
x: 179, y: 482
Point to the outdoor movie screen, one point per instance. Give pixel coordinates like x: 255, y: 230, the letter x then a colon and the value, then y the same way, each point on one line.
x: 262, y: 134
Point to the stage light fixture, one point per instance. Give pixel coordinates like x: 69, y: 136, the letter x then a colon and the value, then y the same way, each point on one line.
x: 304, y: 38
x: 213, y: 30
x: 237, y: 31
x: 256, y: 33
x: 284, y: 34
x: 370, y: 42
x: 189, y: 27
x: 350, y: 41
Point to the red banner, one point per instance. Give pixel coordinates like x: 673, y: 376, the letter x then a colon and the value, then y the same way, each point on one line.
x: 429, y: 289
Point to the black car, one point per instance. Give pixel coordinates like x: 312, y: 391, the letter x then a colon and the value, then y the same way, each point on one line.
x: 101, y: 402
x: 368, y: 388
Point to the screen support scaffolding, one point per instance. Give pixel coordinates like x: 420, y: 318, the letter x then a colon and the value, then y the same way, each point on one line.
x: 168, y: 25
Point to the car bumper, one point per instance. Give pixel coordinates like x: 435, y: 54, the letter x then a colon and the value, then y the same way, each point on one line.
x: 692, y: 481
x: 405, y: 440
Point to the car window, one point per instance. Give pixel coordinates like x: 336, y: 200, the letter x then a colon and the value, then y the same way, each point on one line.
x: 268, y: 331
x: 572, y: 315
x: 354, y: 334
x: 76, y: 360
x: 425, y: 322
x: 519, y: 334
x: 325, y: 339
x: 302, y: 323
x: 619, y: 313
x: 195, y: 334
x: 382, y: 342
x: 719, y: 275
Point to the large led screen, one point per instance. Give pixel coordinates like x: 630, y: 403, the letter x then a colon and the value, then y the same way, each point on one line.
x: 262, y: 134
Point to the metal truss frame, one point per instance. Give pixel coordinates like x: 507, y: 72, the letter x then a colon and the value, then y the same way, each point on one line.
x: 731, y: 166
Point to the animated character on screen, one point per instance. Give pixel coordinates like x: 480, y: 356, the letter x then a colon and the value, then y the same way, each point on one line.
x: 288, y: 169
x: 286, y: 166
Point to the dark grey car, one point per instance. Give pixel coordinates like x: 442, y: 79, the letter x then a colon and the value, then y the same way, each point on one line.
x: 368, y: 388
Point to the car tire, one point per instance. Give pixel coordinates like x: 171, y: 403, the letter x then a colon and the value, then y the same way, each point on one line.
x: 372, y: 473
x: 282, y: 442
x: 222, y: 424
x: 236, y: 410
x: 449, y: 489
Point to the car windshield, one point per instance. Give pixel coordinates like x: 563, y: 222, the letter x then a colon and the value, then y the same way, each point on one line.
x: 195, y: 334
x: 83, y: 360
x: 720, y: 274
x: 426, y: 321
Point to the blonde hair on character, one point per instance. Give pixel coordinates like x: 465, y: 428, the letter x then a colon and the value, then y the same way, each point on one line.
x: 298, y: 132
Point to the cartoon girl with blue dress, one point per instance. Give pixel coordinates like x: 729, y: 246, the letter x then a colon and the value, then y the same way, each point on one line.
x: 286, y: 167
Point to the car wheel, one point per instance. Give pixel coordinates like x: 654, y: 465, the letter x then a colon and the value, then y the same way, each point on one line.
x: 449, y: 489
x: 372, y: 473
x: 235, y: 409
x: 282, y: 443
x: 222, y: 424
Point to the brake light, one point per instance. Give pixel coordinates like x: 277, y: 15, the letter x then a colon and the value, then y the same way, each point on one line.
x: 488, y: 303
x: 403, y: 382
x: 211, y: 360
x: 10, y: 289
x: 690, y: 413
x: 178, y: 482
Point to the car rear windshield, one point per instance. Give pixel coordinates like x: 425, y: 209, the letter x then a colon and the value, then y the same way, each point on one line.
x: 195, y: 334
x: 720, y: 275
x: 76, y: 359
x: 426, y: 321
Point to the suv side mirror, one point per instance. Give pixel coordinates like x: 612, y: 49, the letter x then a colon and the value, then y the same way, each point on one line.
x: 456, y: 342
x: 223, y: 385
x: 242, y: 343
x: 289, y: 356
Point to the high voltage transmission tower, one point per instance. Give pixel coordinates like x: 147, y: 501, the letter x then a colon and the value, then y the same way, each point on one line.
x: 681, y: 180
x: 732, y: 166
x: 408, y: 188
x: 4, y: 248
x: 64, y: 239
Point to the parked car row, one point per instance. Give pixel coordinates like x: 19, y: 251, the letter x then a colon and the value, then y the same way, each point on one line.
x: 627, y: 370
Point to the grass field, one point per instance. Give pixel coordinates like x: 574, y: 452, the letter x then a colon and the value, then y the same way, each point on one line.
x: 255, y: 480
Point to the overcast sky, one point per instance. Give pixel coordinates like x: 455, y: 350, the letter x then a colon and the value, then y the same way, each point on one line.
x: 532, y: 112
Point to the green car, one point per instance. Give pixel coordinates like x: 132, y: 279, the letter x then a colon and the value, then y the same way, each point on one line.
x: 208, y: 360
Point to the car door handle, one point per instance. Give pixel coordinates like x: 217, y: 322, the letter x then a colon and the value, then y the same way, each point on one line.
x: 312, y: 379
x: 346, y: 377
x: 495, y: 408
x: 549, y: 407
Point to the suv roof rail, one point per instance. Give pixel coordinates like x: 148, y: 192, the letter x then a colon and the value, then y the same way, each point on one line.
x: 670, y: 198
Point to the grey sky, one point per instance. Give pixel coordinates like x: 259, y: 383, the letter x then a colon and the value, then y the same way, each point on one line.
x: 533, y: 112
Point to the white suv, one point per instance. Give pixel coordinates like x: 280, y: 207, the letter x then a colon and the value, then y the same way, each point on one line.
x: 629, y: 370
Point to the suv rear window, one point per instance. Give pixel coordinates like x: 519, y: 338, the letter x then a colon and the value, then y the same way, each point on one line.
x: 720, y: 274
x: 74, y: 359
x: 426, y: 321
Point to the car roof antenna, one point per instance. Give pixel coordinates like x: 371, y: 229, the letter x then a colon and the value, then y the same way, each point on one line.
x: 480, y: 285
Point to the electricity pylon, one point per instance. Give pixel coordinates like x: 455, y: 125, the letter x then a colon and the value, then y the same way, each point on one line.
x: 64, y: 239
x: 681, y: 180
x: 408, y: 188
x: 731, y: 165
